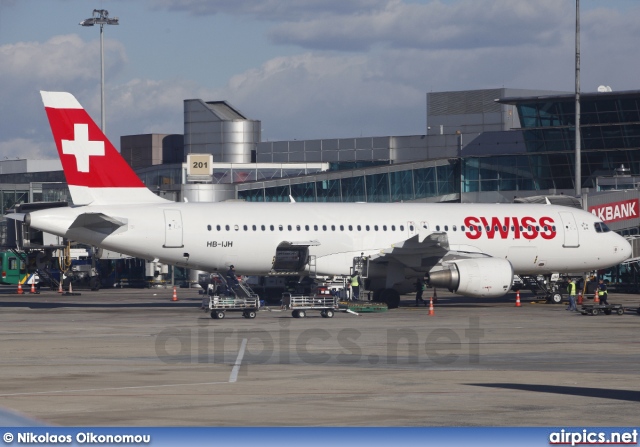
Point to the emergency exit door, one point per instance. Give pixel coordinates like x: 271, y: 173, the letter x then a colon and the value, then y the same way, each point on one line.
x: 172, y: 229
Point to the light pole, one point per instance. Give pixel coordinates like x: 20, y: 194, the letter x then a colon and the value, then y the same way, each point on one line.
x: 101, y: 17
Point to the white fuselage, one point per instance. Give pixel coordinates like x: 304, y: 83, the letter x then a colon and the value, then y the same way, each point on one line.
x: 535, y: 239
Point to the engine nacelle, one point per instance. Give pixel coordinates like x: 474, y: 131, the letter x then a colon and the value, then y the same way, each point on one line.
x: 483, y: 277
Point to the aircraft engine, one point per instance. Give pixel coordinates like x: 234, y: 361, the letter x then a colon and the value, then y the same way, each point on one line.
x: 485, y: 277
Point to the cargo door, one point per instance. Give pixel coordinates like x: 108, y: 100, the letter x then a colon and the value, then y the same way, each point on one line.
x: 172, y: 229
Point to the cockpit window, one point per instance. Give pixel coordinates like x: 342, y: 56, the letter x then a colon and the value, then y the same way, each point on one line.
x: 601, y: 227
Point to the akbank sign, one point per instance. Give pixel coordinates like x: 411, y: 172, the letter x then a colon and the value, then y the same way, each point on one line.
x: 616, y: 211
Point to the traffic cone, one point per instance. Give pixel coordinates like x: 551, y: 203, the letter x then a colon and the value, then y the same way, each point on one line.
x: 33, y: 286
x: 518, y: 299
x: 70, y: 292
x: 580, y: 299
x: 175, y: 294
x: 595, y: 297
x: 60, y: 287
x: 20, y: 291
x: 431, y: 312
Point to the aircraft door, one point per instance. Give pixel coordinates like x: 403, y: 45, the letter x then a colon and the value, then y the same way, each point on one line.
x: 172, y: 229
x: 571, y: 235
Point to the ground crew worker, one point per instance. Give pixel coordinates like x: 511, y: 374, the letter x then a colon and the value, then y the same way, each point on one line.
x: 571, y: 288
x: 602, y: 293
x: 355, y: 286
x: 420, y: 286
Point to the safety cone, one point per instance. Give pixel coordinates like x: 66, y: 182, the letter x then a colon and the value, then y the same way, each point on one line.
x: 175, y: 294
x: 20, y: 291
x: 580, y: 299
x: 33, y: 286
x: 70, y: 292
x: 518, y: 299
x: 431, y: 312
x: 595, y: 297
x: 60, y: 287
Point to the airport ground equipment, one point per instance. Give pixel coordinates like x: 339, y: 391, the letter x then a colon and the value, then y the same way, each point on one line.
x: 300, y: 304
x: 607, y: 309
x: 219, y: 305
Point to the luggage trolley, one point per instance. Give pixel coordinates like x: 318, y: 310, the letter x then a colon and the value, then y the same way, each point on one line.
x: 300, y: 304
x: 218, y: 305
x: 607, y: 309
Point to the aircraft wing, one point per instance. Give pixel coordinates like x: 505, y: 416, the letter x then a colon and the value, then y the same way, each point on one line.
x: 421, y: 253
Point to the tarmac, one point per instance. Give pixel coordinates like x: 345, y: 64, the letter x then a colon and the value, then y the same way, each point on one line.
x: 134, y: 357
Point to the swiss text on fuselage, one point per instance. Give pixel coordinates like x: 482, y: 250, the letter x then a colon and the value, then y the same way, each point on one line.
x: 510, y: 227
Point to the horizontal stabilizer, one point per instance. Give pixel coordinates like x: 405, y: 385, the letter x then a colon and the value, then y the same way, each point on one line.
x: 98, y: 222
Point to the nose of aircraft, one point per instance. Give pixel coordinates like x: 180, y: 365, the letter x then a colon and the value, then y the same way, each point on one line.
x: 622, y: 249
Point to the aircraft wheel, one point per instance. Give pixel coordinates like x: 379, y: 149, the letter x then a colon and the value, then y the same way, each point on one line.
x: 391, y: 297
x: 555, y: 298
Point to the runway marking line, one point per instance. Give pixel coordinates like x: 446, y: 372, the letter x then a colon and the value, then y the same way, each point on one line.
x: 236, y: 366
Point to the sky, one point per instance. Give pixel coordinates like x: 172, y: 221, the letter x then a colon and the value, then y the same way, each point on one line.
x: 307, y: 69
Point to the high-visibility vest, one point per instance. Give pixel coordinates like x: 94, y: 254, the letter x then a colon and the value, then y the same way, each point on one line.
x: 572, y: 288
x: 354, y: 281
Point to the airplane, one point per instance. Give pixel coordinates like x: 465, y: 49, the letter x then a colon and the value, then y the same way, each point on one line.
x: 470, y: 249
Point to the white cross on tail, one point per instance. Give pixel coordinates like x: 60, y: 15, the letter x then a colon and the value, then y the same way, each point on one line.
x: 81, y: 147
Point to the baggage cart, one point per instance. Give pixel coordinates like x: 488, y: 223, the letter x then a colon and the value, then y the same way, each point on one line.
x: 219, y: 305
x: 596, y: 309
x: 300, y: 304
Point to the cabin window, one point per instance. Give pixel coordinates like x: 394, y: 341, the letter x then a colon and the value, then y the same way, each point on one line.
x: 298, y: 227
x: 351, y: 227
x: 358, y: 227
x: 218, y: 227
x: 263, y: 228
x: 315, y: 228
x: 437, y: 227
x: 245, y: 228
x: 446, y: 228
x: 401, y: 227
x: 513, y: 228
x: 366, y: 227
x: 306, y: 227
x: 226, y: 227
x: 537, y: 228
x: 272, y: 227
x: 324, y: 228
x: 411, y: 227
x: 280, y: 227
x: 209, y: 227
x: 489, y: 228
x: 462, y: 227
x: 341, y: 227
x: 521, y: 228
x: 393, y: 228
x: 384, y: 228
x: 529, y: 228
x: 254, y: 228
x: 333, y: 228
x: 553, y: 228
x: 454, y: 228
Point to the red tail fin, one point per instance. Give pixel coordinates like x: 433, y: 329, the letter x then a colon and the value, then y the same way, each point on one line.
x: 95, y: 171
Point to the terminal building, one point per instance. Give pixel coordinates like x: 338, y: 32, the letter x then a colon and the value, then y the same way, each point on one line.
x: 492, y: 145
